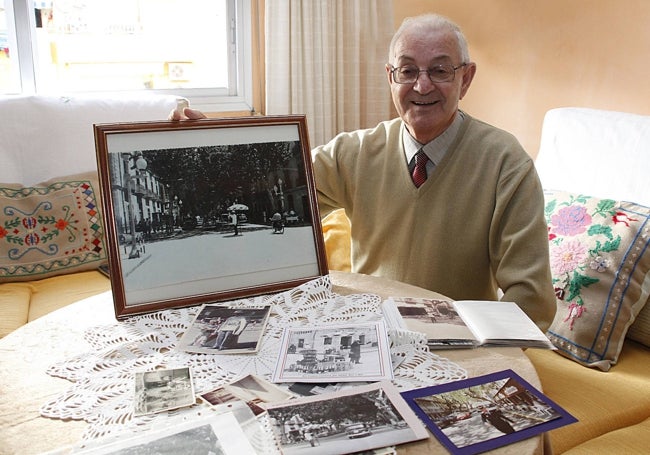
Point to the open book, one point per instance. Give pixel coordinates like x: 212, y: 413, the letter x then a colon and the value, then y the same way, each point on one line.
x: 465, y: 323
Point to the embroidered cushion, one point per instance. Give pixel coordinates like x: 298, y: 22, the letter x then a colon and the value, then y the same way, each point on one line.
x: 51, y: 228
x: 600, y: 263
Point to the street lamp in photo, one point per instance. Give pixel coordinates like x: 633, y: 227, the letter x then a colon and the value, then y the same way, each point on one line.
x: 140, y: 164
x: 278, y: 192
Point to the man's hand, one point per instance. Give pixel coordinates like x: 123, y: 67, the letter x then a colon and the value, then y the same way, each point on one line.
x: 186, y: 114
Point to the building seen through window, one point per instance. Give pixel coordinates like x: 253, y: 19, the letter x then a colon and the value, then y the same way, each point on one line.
x: 193, y: 48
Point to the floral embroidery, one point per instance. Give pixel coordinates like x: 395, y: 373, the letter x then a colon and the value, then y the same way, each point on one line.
x: 50, y: 229
x: 571, y: 220
x: 568, y: 256
x: 579, y: 240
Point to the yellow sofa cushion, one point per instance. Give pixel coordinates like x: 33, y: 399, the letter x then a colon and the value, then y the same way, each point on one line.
x: 601, y: 401
x: 65, y: 289
x: 628, y: 440
x: 14, y: 305
x: 23, y: 302
x: 336, y: 234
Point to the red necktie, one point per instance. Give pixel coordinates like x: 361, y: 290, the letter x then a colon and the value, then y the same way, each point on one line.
x: 420, y: 170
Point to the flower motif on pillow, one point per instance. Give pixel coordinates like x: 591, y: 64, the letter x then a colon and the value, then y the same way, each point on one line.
x: 578, y: 239
x: 37, y: 230
x: 599, y: 252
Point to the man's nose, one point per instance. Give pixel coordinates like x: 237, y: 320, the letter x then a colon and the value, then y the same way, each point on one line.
x: 423, y: 83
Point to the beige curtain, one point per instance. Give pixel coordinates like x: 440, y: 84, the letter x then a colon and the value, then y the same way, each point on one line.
x: 325, y: 59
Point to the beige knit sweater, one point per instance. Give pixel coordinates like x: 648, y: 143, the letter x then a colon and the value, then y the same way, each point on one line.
x: 477, y: 224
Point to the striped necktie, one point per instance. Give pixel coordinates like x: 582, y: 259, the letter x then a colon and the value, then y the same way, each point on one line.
x: 419, y: 174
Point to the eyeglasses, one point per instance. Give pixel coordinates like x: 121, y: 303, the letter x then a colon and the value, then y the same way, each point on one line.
x: 408, y: 74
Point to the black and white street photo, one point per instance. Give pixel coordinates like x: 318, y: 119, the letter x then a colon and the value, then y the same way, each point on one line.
x: 358, y: 352
x: 363, y: 418
x: 208, y: 213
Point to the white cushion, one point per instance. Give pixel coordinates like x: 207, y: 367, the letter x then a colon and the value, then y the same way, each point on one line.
x: 596, y: 152
x: 46, y: 136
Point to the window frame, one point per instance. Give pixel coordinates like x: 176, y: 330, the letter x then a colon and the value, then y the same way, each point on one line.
x: 238, y: 97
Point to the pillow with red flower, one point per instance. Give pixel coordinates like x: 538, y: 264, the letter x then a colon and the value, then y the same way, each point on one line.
x: 600, y: 264
x: 51, y: 228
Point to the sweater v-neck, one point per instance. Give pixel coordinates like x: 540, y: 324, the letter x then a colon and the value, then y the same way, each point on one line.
x: 440, y: 167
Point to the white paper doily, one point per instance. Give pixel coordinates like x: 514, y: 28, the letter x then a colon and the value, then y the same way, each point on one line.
x: 102, y: 378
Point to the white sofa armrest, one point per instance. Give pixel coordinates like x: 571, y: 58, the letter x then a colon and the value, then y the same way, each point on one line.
x: 597, y: 153
x: 50, y: 136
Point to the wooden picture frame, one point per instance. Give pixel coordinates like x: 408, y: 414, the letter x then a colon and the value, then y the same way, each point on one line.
x: 191, y: 210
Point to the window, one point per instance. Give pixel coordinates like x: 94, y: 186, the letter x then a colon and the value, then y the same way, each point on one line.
x: 199, y: 49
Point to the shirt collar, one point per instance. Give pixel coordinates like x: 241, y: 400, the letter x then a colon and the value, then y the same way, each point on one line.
x: 437, y: 148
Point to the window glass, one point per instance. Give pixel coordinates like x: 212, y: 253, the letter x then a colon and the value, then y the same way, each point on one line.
x: 186, y: 47
x: 9, y: 76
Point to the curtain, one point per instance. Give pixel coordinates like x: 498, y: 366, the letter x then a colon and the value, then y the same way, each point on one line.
x: 325, y: 59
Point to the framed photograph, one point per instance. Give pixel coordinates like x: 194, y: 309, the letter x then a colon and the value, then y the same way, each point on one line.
x: 482, y: 413
x: 202, y: 211
x: 359, y: 419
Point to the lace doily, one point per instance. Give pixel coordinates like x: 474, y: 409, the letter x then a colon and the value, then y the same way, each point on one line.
x: 102, y: 378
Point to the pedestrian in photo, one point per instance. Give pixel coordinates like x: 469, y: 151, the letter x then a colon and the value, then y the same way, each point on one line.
x: 355, y: 352
x: 235, y: 222
x: 497, y: 419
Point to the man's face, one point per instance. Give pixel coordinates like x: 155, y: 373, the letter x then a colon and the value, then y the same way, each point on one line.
x: 428, y: 108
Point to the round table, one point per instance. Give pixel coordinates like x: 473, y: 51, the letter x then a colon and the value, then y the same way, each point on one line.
x: 26, y: 353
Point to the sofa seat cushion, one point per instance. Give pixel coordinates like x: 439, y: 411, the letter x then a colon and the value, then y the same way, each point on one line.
x: 23, y: 302
x: 14, y: 305
x: 53, y: 293
x: 601, y: 401
x: 336, y: 234
x: 631, y: 440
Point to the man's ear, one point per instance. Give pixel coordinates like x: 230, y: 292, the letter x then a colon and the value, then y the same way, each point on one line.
x: 388, y: 73
x: 468, y: 75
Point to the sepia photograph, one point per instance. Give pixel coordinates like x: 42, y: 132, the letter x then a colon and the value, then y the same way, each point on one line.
x: 162, y: 390
x: 223, y: 329
x: 486, y: 412
x: 207, y: 210
x: 336, y: 353
x: 358, y: 419
x: 253, y: 390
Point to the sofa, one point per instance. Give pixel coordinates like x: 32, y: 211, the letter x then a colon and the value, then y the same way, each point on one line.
x: 594, y: 167
x: 592, y: 164
x: 51, y: 235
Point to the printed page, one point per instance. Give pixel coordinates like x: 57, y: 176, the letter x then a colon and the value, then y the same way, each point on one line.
x: 501, y: 323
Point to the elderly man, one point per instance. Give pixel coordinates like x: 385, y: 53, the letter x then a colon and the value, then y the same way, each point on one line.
x: 437, y: 198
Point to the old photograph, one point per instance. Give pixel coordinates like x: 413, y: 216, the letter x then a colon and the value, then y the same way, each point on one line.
x: 207, y: 211
x: 362, y: 418
x: 162, y: 390
x: 336, y: 353
x: 485, y: 412
x: 223, y: 329
x: 253, y: 390
x: 217, y: 434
